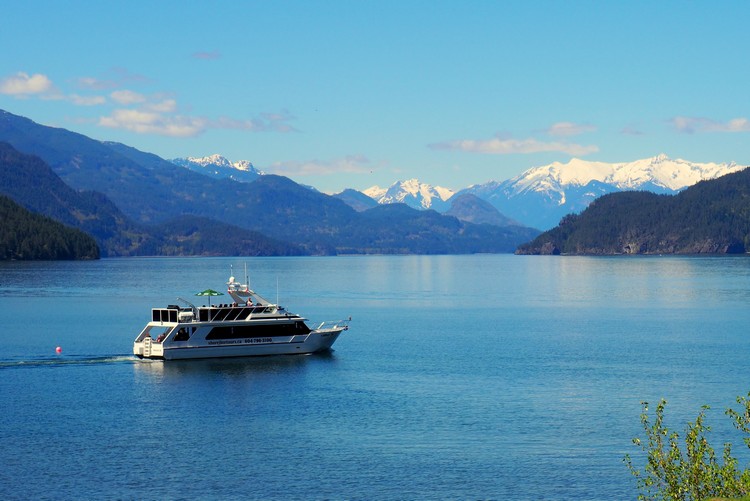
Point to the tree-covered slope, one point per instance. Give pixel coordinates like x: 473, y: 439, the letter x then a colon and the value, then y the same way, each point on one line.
x: 30, y: 182
x: 710, y: 217
x: 26, y: 236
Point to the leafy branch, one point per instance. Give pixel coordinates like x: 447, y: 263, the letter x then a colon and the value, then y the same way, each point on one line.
x: 691, y: 472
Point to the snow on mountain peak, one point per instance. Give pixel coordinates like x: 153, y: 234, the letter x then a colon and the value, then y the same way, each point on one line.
x: 214, y: 160
x: 660, y: 170
x: 411, y: 192
x: 218, y: 166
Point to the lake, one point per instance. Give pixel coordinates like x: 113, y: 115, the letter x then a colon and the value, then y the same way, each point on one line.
x: 461, y: 377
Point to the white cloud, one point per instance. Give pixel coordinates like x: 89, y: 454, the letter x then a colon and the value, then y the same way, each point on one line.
x: 92, y: 83
x: 23, y: 84
x: 350, y: 164
x: 164, y: 106
x: 567, y: 129
x: 149, y: 122
x: 502, y: 146
x: 159, y: 117
x: 690, y: 125
x: 127, y: 97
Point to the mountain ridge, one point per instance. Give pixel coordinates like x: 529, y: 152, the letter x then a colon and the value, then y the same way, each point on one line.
x: 151, y: 191
x: 541, y: 196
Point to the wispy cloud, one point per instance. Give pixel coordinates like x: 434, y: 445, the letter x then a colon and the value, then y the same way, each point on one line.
x: 567, y: 129
x: 163, y: 117
x: 206, y: 55
x: 115, y: 78
x: 507, y: 146
x: 126, y: 97
x: 150, y: 122
x: 134, y: 111
x: 356, y: 164
x: 629, y: 130
x: 87, y: 100
x: 22, y: 85
x: 690, y: 125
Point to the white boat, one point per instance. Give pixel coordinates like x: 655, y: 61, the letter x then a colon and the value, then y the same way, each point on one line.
x: 249, y: 326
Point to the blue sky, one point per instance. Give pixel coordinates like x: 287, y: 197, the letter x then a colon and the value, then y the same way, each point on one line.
x: 341, y: 94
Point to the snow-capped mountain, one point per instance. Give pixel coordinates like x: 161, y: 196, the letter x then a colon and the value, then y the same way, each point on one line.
x: 219, y: 167
x: 412, y: 193
x: 541, y: 196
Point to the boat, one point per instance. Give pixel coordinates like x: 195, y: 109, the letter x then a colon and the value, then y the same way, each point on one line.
x: 248, y: 326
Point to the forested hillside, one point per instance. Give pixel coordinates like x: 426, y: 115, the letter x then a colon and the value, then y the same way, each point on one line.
x: 31, y: 183
x: 26, y: 236
x: 711, y: 217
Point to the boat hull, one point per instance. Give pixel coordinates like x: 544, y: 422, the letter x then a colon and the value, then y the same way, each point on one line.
x: 313, y: 343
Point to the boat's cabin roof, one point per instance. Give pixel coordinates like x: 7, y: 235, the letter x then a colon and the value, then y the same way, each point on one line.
x: 215, y: 313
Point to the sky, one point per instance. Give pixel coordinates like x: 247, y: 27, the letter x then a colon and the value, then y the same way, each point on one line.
x: 351, y: 94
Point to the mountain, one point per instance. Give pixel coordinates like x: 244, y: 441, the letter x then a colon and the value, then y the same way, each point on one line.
x: 711, y: 217
x: 541, y: 196
x: 25, y: 235
x: 218, y: 167
x: 400, y: 229
x: 30, y: 182
x: 356, y: 200
x: 152, y: 192
x: 412, y: 193
x: 470, y: 208
x: 199, y: 236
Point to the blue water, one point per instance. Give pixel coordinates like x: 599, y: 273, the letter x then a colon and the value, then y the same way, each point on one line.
x: 462, y: 377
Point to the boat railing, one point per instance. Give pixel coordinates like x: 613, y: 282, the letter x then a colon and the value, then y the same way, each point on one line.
x: 333, y: 325
x: 191, y: 305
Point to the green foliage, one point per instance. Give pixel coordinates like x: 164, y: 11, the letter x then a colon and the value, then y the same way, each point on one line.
x: 691, y: 472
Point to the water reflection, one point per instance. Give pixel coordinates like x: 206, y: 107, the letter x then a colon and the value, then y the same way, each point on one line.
x: 230, y: 367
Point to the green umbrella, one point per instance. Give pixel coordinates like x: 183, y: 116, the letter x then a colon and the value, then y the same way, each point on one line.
x: 209, y: 293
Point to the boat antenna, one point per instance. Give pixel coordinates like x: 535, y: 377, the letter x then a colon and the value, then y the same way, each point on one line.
x: 247, y: 282
x: 277, y: 291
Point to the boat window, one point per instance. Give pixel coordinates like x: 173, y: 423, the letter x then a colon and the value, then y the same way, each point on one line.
x: 183, y: 334
x: 163, y: 315
x: 162, y: 335
x: 250, y: 331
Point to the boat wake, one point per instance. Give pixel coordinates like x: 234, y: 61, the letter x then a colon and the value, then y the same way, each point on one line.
x: 66, y: 361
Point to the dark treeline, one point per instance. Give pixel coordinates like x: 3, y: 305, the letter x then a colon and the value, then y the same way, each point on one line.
x: 25, y: 236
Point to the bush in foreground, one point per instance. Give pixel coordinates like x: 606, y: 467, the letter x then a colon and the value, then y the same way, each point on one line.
x: 692, y: 472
